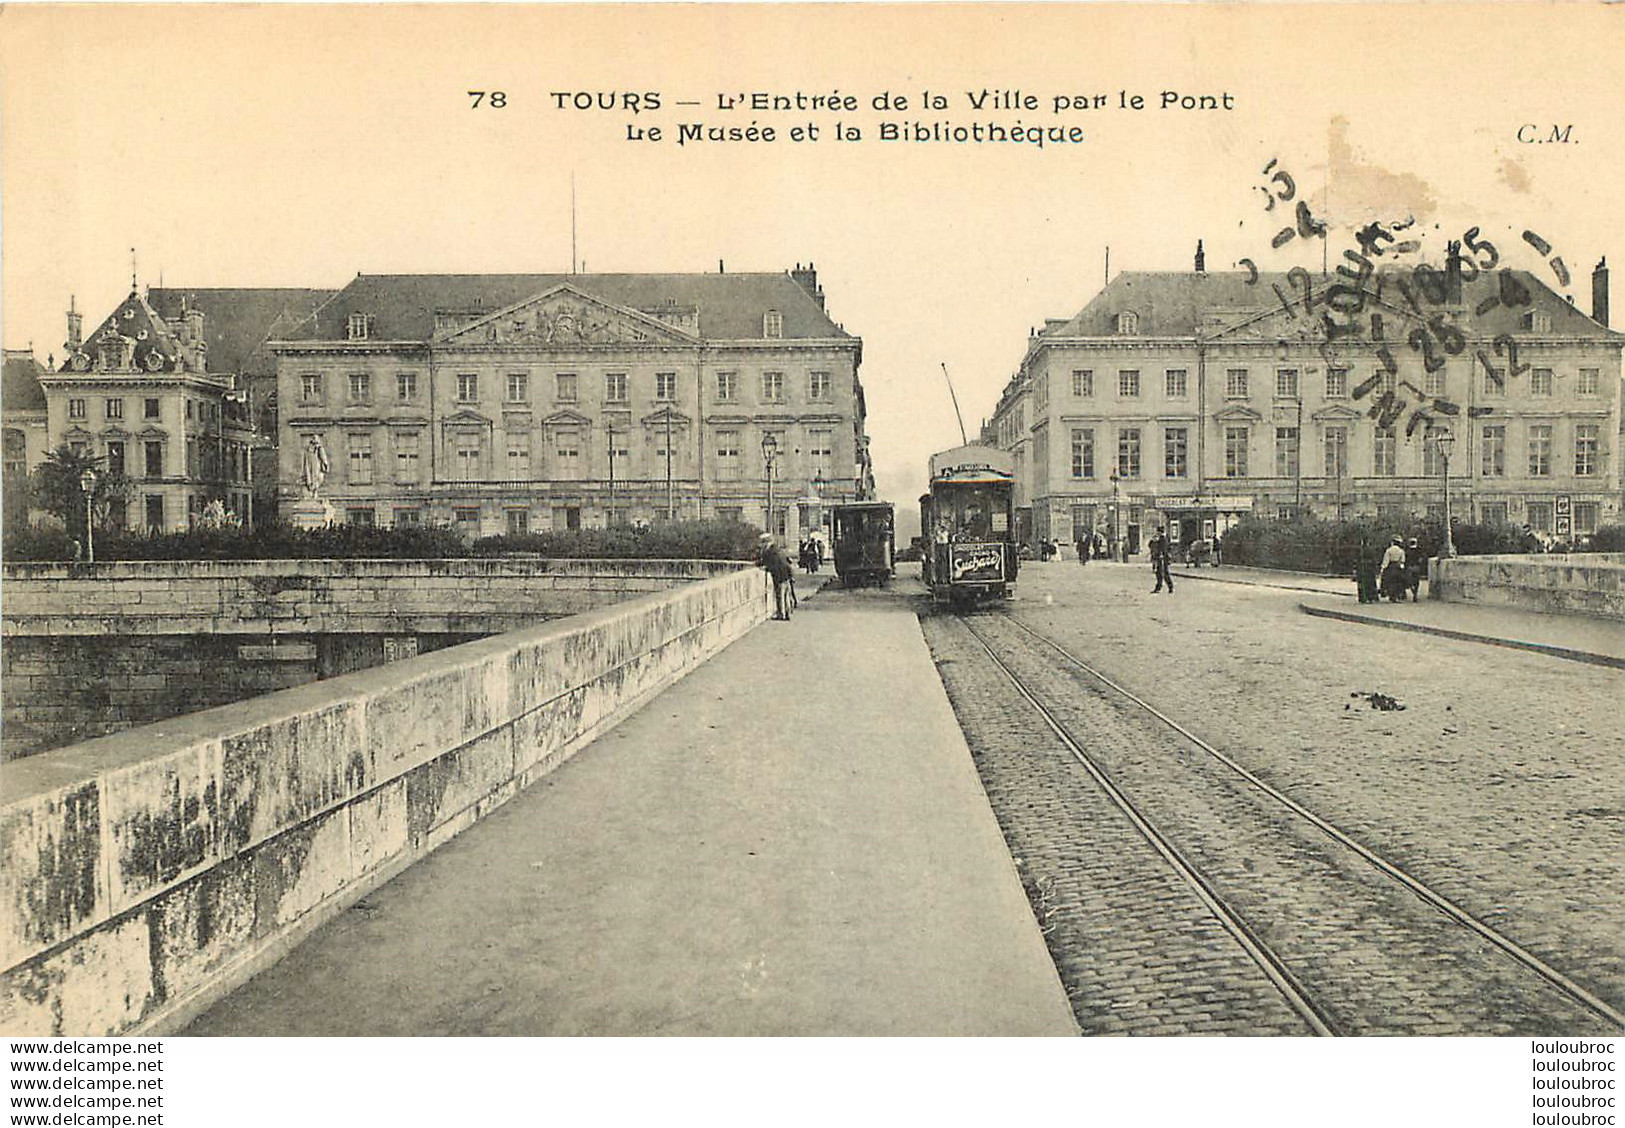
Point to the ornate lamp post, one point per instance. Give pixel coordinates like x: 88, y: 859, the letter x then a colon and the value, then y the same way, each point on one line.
x: 1444, y: 442
x: 770, y: 454
x: 87, y: 483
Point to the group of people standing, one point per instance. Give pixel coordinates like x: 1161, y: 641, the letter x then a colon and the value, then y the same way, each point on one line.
x: 1395, y: 574
x: 1090, y: 544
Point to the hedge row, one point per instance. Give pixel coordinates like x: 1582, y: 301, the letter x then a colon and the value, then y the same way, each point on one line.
x: 1330, y: 547
x: 678, y: 540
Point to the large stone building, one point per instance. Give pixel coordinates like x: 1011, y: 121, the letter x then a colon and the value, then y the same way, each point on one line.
x: 1193, y: 398
x: 174, y: 389
x: 512, y: 403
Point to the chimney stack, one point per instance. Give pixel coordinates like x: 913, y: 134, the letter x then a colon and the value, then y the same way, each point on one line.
x: 1452, y: 272
x: 1201, y: 259
x: 807, y: 278
x: 76, y: 325
x: 1599, y: 292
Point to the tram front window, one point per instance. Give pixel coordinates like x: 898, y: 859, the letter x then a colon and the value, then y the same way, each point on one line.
x: 973, y: 516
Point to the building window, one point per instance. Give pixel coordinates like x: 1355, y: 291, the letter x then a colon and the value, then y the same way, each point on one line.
x: 665, y: 386
x: 772, y: 386
x: 1176, y: 383
x: 76, y: 409
x: 114, y: 408
x: 1175, y: 448
x: 728, y: 454
x: 518, y: 522
x: 1387, y: 382
x: 1083, y: 452
x: 1585, y: 517
x: 360, y: 387
x: 567, y: 453
x: 1540, y: 450
x: 1128, y: 453
x: 358, y: 327
x: 466, y: 460
x: 467, y: 520
x: 1083, y: 383
x: 360, y: 459
x: 1585, y: 449
x: 620, y: 452
x: 151, y: 408
x: 1493, y: 462
x: 155, y: 459
x: 468, y: 388
x: 1337, y: 383
x: 1433, y: 382
x: 733, y: 513
x: 1495, y: 381
x: 614, y: 387
x: 1590, y: 382
x: 1235, y: 383
x: 1540, y: 516
x: 1128, y: 383
x: 190, y: 410
x: 1538, y: 321
x: 1286, y: 452
x: 310, y: 387
x: 406, y: 457
x: 406, y: 386
x: 1235, y: 450
x: 518, y: 456
x: 519, y: 388
x: 360, y: 515
x: 1384, y: 446
x: 1286, y: 383
x: 408, y: 518
x: 819, y: 449
x: 1540, y: 382
x: 1337, y: 452
x: 1128, y: 323
x: 818, y: 385
x: 155, y: 511
x: 772, y: 324
x: 1432, y: 462
x: 115, y: 457
x: 727, y: 386
x: 565, y: 387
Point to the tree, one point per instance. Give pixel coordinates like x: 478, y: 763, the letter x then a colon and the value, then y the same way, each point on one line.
x: 55, y: 487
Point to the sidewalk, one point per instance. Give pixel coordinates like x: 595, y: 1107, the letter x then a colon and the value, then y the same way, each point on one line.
x: 1269, y: 577
x: 790, y: 840
x: 1576, y: 637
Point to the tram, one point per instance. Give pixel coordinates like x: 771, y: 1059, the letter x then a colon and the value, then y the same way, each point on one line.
x: 865, y: 542
x: 968, y: 522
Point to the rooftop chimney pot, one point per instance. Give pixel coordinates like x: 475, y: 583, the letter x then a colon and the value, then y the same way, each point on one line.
x: 1599, y: 292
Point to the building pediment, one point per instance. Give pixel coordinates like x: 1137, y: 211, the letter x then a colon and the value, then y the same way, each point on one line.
x: 566, y: 318
x: 77, y: 435
x: 466, y: 418
x: 1336, y: 413
x: 660, y: 417
x: 1239, y: 413
x: 566, y: 418
x: 115, y: 434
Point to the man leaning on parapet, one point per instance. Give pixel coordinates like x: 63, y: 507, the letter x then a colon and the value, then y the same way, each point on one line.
x: 772, y: 558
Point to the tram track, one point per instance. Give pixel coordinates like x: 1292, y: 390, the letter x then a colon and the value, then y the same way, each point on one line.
x: 1349, y: 941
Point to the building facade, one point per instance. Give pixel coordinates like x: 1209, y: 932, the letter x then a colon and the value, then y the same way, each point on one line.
x: 1190, y: 399
x: 138, y: 394
x: 26, y: 432
x: 515, y: 403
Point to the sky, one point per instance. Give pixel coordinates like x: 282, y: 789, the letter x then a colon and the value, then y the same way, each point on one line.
x: 298, y: 145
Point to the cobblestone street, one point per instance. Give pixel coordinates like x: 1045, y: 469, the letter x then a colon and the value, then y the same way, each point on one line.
x: 1498, y: 785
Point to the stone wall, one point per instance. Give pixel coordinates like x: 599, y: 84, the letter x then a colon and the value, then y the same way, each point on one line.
x: 1585, y: 583
x: 147, y: 873
x: 465, y: 596
x: 96, y: 649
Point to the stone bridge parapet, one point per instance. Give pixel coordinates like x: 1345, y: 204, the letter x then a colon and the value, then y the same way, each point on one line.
x: 147, y: 873
x: 1582, y: 583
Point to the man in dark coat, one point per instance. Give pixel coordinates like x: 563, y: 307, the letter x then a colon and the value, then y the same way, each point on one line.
x: 1160, y: 558
x: 773, y: 560
x: 1365, y: 570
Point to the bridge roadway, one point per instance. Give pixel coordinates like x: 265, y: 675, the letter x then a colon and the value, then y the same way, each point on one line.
x: 787, y: 841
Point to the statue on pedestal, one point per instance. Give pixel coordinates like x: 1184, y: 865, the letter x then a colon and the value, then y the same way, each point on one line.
x: 313, y: 472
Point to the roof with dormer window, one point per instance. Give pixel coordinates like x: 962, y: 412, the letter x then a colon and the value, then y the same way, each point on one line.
x: 133, y: 321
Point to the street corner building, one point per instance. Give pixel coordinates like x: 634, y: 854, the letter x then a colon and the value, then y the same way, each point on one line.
x: 510, y: 403
x: 1192, y: 398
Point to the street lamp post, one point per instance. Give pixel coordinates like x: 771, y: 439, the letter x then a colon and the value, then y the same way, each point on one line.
x: 770, y: 453
x: 1444, y: 442
x: 87, y: 482
x: 611, y: 521
x: 1117, y: 542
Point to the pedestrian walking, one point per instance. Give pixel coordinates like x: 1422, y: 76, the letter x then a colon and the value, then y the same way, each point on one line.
x: 1085, y: 542
x: 1393, y: 571
x: 774, y: 561
x: 1160, y: 558
x: 1365, y: 570
x: 1416, y: 565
